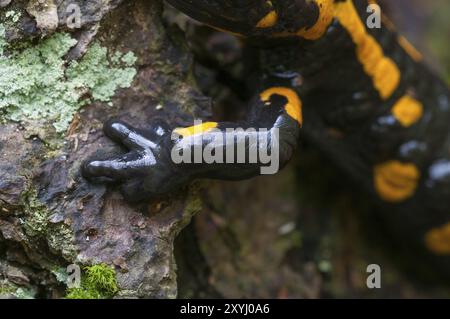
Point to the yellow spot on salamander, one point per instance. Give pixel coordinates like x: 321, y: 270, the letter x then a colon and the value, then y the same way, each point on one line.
x: 383, y: 71
x: 410, y: 49
x: 196, y: 129
x: 293, y: 107
x: 407, y: 111
x: 326, y: 16
x: 437, y: 240
x: 395, y: 181
x: 315, y: 32
x: 268, y: 21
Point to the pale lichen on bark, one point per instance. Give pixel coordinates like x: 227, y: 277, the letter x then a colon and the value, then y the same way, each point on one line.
x: 36, y: 87
x: 57, y: 80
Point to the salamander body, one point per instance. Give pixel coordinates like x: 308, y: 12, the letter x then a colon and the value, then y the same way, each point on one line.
x: 362, y: 95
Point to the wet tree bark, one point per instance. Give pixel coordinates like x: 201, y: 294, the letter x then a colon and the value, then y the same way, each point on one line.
x: 82, y: 223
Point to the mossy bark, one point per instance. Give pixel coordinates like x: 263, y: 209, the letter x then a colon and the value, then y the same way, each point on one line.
x: 50, y: 217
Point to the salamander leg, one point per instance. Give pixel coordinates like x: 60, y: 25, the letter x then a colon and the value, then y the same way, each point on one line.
x: 160, y: 159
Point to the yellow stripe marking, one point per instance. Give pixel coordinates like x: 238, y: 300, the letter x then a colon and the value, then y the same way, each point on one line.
x: 437, y: 240
x: 294, y: 106
x: 325, y: 18
x: 268, y: 21
x: 407, y: 111
x: 326, y: 15
x: 383, y: 71
x: 395, y: 181
x: 196, y: 129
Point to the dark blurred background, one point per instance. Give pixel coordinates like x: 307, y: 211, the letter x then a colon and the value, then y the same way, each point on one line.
x: 427, y: 25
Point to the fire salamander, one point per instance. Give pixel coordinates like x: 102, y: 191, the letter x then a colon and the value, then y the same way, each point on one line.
x: 323, y: 71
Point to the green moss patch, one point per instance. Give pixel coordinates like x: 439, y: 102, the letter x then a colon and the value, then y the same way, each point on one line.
x: 97, y: 282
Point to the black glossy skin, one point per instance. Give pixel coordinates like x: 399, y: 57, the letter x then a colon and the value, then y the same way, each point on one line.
x: 337, y: 96
x: 147, y: 170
